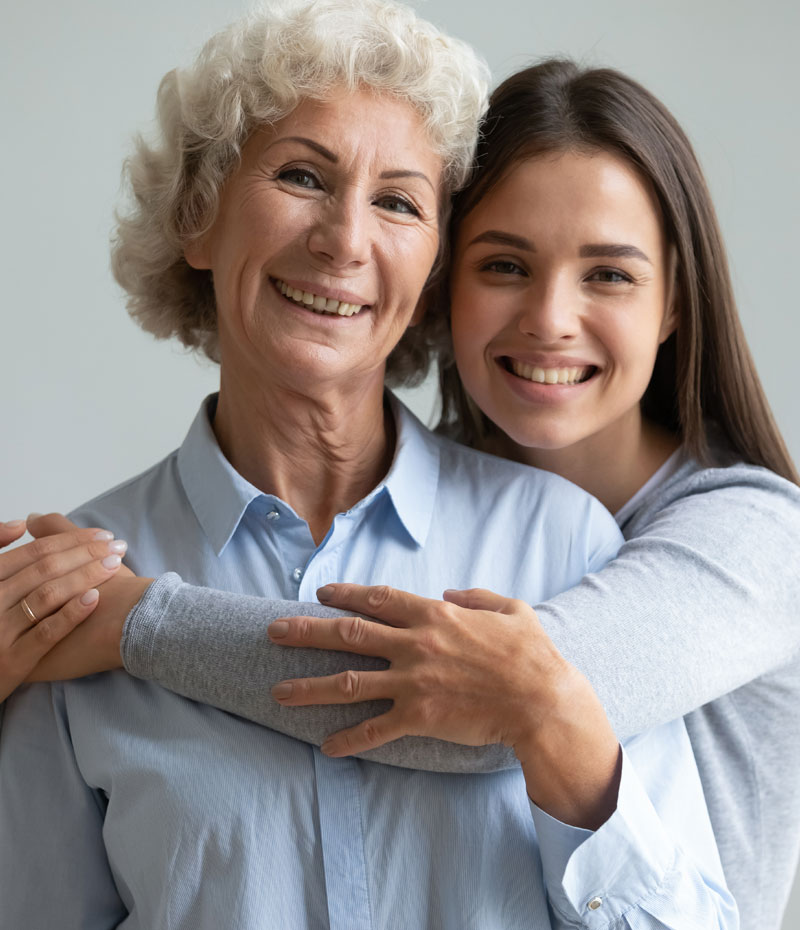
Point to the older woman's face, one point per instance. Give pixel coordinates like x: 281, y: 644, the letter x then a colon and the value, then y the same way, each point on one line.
x: 324, y: 239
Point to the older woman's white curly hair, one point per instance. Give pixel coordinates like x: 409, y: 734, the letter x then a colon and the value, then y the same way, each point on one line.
x: 253, y: 73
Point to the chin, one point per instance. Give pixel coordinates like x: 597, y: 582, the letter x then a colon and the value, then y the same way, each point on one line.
x: 539, y: 437
x: 552, y: 441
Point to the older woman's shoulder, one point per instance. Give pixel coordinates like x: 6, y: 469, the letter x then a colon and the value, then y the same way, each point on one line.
x: 131, y: 493
x: 487, y: 470
x: 140, y: 510
x: 534, y: 516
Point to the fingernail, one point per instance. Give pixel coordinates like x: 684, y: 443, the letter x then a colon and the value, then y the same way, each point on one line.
x: 112, y: 561
x: 325, y: 593
x: 282, y: 690
x: 34, y: 516
x: 90, y: 597
x: 328, y: 747
x: 278, y: 629
x: 103, y: 535
x: 119, y: 546
x: 13, y: 524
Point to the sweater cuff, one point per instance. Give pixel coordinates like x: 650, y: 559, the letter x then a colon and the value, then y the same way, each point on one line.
x: 137, y: 646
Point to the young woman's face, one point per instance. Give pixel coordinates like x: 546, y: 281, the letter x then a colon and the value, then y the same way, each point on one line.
x: 560, y: 300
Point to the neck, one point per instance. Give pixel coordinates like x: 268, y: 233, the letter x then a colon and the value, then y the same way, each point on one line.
x: 612, y: 465
x: 321, y: 453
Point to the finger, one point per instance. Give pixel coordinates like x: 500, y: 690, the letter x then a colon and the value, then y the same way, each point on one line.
x: 478, y: 599
x: 367, y: 735
x: 48, y: 524
x: 10, y: 531
x: 343, y: 634
x: 53, y: 594
x: 400, y: 608
x: 31, y: 647
x: 17, y: 560
x: 348, y: 687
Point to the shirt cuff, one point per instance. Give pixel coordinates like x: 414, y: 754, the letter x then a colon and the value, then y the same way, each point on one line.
x: 593, y: 877
x: 141, y: 626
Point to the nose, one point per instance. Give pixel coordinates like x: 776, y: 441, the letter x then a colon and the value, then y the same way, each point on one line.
x: 341, y: 235
x: 551, y: 313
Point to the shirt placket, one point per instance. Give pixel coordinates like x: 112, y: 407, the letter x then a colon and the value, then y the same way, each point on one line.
x: 341, y: 832
x: 338, y: 782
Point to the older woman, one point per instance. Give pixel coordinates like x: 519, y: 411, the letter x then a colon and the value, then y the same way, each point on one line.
x: 288, y: 226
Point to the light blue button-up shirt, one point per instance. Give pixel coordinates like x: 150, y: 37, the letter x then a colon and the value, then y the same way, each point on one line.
x: 124, y: 804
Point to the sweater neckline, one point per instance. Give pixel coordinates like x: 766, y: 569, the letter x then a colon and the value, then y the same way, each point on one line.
x: 659, y: 477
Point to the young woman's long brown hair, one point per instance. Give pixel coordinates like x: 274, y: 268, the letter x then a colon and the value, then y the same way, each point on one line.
x: 704, y: 372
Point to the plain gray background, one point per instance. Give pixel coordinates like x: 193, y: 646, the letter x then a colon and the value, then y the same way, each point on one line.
x: 89, y: 400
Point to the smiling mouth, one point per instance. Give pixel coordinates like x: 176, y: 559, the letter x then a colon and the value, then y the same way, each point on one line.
x: 327, y: 306
x: 539, y: 375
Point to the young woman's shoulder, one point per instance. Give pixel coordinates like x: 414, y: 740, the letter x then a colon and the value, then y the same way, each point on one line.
x: 701, y: 599
x: 729, y: 494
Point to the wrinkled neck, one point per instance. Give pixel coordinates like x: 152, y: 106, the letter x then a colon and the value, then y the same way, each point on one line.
x: 320, y: 451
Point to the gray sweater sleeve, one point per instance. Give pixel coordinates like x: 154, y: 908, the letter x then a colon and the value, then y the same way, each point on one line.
x: 701, y: 599
x: 213, y: 647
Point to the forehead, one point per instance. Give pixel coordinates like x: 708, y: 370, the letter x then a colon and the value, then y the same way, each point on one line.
x: 377, y: 130
x: 572, y: 194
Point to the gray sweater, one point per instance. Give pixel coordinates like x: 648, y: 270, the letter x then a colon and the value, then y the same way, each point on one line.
x: 698, y: 616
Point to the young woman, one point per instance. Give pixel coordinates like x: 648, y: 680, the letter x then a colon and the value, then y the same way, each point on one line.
x: 595, y: 329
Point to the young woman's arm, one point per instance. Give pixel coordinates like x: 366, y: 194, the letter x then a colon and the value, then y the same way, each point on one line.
x: 46, y: 590
x: 702, y: 598
x: 213, y: 647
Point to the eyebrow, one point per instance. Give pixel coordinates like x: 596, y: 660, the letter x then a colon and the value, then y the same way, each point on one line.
x: 591, y: 250
x: 496, y: 237
x: 401, y: 173
x: 334, y: 159
x: 612, y: 250
x: 319, y: 149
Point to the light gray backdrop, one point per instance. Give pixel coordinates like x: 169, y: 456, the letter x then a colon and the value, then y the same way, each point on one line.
x: 88, y: 400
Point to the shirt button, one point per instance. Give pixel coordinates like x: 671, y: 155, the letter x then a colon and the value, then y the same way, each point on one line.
x: 297, y: 574
x: 595, y: 903
x: 273, y: 515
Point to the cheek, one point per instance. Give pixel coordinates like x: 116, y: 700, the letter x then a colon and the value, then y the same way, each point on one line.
x: 631, y: 351
x: 480, y: 321
x: 629, y: 335
x: 422, y: 259
x: 404, y: 264
x: 466, y: 338
x: 465, y: 321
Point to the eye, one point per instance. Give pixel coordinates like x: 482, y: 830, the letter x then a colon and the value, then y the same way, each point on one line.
x: 610, y: 276
x: 301, y: 177
x: 394, y: 203
x: 503, y: 266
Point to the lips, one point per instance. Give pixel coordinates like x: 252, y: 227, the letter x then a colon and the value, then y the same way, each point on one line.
x: 318, y: 303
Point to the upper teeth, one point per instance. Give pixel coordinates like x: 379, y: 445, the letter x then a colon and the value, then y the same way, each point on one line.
x: 316, y: 303
x: 549, y: 375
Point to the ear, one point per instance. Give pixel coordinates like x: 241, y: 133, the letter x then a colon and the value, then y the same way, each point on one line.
x: 197, y: 252
x: 671, y: 315
x: 670, y: 322
x: 421, y: 309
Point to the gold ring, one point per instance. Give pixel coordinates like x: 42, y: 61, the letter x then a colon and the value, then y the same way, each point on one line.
x: 28, y: 612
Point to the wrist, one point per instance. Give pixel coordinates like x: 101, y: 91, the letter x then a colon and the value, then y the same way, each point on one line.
x: 128, y: 596
x: 585, y: 799
x: 571, y: 757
